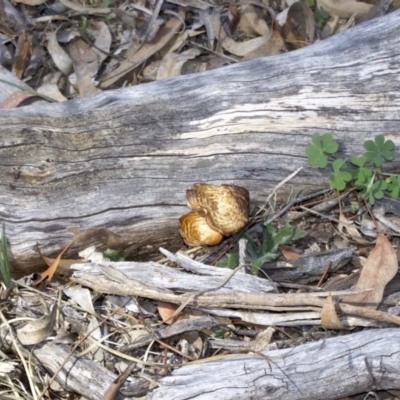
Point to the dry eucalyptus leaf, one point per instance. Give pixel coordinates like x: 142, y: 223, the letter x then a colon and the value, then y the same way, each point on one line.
x: 250, y: 22
x: 49, y: 273
x: 275, y: 44
x: 172, y: 63
x: 166, y: 310
x: 352, y: 231
x: 263, y: 339
x: 58, y: 54
x: 329, y: 317
x: 51, y: 90
x: 103, y: 39
x: 137, y: 57
x: 380, y: 268
x: 226, y: 207
x: 86, y: 65
x: 242, y: 48
x: 31, y: 2
x: 38, y: 330
x: 287, y: 252
x: 102, y: 235
x: 330, y: 27
x: 299, y: 27
x: 81, y: 296
x: 344, y: 8
x: 196, y: 232
x: 14, y: 99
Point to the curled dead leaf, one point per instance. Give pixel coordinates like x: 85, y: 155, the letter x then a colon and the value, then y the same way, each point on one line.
x: 166, y: 310
x: 226, y: 207
x: 299, y: 27
x: 196, y: 232
x: 380, y: 268
x: 329, y: 317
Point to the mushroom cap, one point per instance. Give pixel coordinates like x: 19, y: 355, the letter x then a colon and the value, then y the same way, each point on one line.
x: 226, y: 207
x: 196, y: 232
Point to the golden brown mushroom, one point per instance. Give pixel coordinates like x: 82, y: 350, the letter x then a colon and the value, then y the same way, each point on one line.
x: 226, y: 207
x: 196, y: 232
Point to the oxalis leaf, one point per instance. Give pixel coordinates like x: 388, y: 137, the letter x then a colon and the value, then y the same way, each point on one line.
x: 379, y: 150
x: 320, y: 146
x: 394, y: 186
x: 340, y: 175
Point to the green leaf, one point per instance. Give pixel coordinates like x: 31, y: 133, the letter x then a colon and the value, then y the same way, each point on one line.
x: 114, y: 255
x: 320, y: 146
x: 321, y: 17
x: 361, y: 174
x: 340, y: 175
x: 5, y: 268
x: 329, y: 146
x: 373, y: 190
x: 394, y: 186
x: 379, y: 150
x: 231, y: 261
x: 219, y: 333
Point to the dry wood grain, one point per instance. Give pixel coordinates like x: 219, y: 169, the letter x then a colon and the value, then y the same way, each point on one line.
x: 123, y: 159
x: 328, y: 369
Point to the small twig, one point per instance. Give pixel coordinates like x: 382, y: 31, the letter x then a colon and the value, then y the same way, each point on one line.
x: 295, y: 201
x: 153, y: 336
x: 328, y: 267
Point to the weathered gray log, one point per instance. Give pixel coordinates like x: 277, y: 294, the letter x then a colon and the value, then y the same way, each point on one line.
x: 122, y: 160
x: 328, y: 369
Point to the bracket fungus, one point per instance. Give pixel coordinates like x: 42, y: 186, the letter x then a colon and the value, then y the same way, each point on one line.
x: 217, y: 211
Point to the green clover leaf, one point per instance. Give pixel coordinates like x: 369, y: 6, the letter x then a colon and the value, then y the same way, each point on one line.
x: 340, y: 175
x: 361, y: 174
x: 394, y: 186
x: 379, y: 150
x: 373, y: 190
x: 320, y: 146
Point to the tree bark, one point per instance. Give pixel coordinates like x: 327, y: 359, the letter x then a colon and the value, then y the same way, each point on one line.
x: 328, y: 369
x: 122, y: 160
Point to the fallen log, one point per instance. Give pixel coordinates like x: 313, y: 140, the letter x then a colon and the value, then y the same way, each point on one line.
x: 329, y: 369
x: 122, y: 160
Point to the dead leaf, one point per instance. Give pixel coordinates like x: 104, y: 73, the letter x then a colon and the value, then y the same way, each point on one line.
x: 38, y: 330
x: 31, y: 2
x: 103, y: 39
x: 14, y: 99
x: 172, y: 63
x: 135, y: 58
x: 49, y: 273
x: 251, y: 23
x: 23, y: 54
x: 102, y: 235
x: 329, y: 317
x: 275, y: 44
x: 166, y: 310
x: 58, y: 54
x: 263, y: 339
x: 299, y: 27
x: 344, y: 8
x: 86, y: 64
x: 288, y: 253
x: 380, y: 268
x: 352, y: 231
